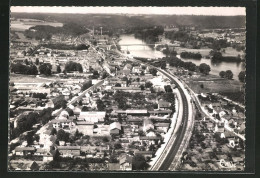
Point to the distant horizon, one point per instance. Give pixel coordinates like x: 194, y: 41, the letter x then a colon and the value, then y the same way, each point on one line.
x: 191, y: 11
x: 128, y: 14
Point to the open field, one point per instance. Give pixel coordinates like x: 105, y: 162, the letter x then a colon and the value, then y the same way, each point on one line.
x: 203, y: 52
x: 18, y: 78
x: 232, y: 89
x: 213, y: 84
x: 232, y: 52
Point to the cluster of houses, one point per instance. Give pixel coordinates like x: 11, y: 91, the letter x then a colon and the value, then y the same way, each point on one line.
x: 226, y: 114
x: 223, y: 143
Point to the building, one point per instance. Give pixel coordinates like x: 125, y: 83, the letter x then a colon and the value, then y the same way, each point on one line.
x: 23, y: 151
x: 163, y: 104
x: 69, y: 151
x: 126, y: 162
x: 146, y: 154
x: 62, y: 123
x: 147, y: 125
x: 92, y: 116
x: 115, y: 128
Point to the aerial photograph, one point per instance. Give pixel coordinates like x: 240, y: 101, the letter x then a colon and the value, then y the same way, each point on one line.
x: 106, y: 89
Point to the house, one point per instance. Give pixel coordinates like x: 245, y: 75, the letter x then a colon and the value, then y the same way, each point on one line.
x: 40, y: 152
x: 62, y: 123
x: 136, y: 84
x: 49, y: 104
x: 210, y: 126
x: 162, y: 126
x: 93, y: 116
x: 133, y: 112
x: 125, y: 162
x: 85, y: 127
x: 146, y: 154
x: 219, y: 128
x: 90, y: 150
x: 150, y: 140
x: 136, y: 69
x: 114, y: 166
x: 163, y: 104
x: 128, y: 89
x: 76, y: 110
x: 160, y: 112
x: 114, y: 82
x: 69, y: 151
x: 147, y: 125
x: 115, y: 128
x: 47, y: 158
x: 23, y: 151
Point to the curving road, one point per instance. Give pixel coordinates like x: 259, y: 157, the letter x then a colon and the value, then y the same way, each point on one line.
x: 182, y: 129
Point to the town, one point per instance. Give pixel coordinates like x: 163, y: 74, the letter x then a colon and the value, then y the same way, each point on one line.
x: 81, y: 99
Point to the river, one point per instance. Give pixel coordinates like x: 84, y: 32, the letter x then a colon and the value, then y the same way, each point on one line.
x: 148, y: 52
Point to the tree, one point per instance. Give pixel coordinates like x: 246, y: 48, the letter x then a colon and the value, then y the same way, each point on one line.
x: 104, y: 75
x: 81, y: 47
x: 37, y: 138
x: 29, y: 138
x: 62, y: 135
x: 148, y: 84
x: 84, y: 108
x: 73, y: 66
x: 70, y: 111
x: 45, y: 69
x: 95, y: 74
x: 78, y: 134
x: 117, y: 145
x: 118, y: 85
x: 26, y: 62
x: 222, y: 74
x: 242, y: 76
x: 105, y: 139
x: 142, y: 87
x: 229, y: 74
x: 163, y: 64
x: 60, y: 102
x: 204, y: 68
x: 37, y: 61
x: 100, y: 105
x: 86, y: 85
x: 139, y: 162
x: 153, y: 71
x: 53, y: 131
x: 58, y: 69
x: 168, y: 89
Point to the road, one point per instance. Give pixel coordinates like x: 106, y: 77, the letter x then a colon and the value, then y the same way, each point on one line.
x: 182, y: 129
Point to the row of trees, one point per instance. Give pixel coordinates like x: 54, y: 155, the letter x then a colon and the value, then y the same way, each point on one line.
x: 73, y: 66
x: 191, y: 55
x: 24, y: 69
x: 226, y: 74
x: 217, y: 56
x: 40, y: 32
x: 229, y: 75
x: 176, y: 62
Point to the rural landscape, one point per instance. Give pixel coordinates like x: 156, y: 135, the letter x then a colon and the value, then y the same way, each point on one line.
x: 126, y: 91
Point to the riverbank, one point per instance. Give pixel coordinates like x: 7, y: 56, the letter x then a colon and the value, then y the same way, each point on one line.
x: 145, y: 51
